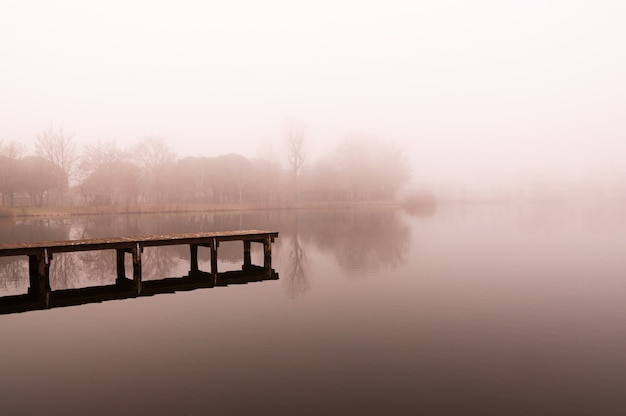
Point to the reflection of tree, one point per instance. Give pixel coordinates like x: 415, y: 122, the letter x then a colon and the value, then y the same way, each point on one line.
x: 103, y: 226
x: 15, y: 269
x: 31, y: 230
x: 65, y: 270
x: 362, y: 239
x: 295, y: 276
x: 156, y: 224
x: 95, y: 268
x: 420, y: 204
x: 158, y: 262
x: 98, y: 267
x: 297, y: 281
x: 13, y: 274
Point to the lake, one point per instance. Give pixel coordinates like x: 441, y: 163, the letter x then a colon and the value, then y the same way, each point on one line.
x: 470, y: 309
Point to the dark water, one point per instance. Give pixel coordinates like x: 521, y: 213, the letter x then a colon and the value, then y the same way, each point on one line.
x: 468, y: 310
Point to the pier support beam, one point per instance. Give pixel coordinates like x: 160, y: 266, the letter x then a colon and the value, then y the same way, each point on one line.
x: 136, y: 252
x: 214, y: 244
x: 267, y: 250
x: 121, y: 269
x: 39, y: 276
x: 247, y: 260
x: 33, y: 273
x: 193, y: 249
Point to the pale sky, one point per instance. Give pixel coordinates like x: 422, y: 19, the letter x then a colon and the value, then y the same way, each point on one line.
x: 471, y: 89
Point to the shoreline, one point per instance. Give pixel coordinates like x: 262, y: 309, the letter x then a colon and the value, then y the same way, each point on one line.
x: 83, y: 210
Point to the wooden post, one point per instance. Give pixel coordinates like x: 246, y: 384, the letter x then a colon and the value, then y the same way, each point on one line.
x: 267, y: 251
x: 214, y: 244
x: 33, y: 273
x: 194, y: 258
x: 39, y: 276
x: 247, y: 262
x: 136, y: 251
x: 121, y: 269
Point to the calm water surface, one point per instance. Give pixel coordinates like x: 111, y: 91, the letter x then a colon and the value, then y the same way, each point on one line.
x: 507, y: 310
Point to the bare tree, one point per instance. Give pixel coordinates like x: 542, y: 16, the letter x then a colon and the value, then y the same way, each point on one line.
x: 10, y: 153
x: 96, y: 170
x: 154, y: 154
x: 193, y: 179
x: 235, y: 172
x: 153, y: 151
x: 59, y: 148
x: 295, y: 140
x: 11, y: 149
x: 101, y: 153
x: 38, y: 176
x: 112, y: 183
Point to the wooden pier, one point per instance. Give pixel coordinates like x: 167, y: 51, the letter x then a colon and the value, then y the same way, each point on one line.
x: 40, y: 255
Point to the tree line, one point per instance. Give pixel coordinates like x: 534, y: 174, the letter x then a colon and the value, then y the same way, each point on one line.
x: 149, y: 172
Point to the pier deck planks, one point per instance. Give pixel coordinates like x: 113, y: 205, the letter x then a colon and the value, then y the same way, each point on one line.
x: 207, y: 238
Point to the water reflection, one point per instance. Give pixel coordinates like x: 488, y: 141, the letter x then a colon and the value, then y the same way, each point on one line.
x: 93, y: 294
x: 297, y: 280
x: 29, y: 230
x: 13, y: 275
x: 93, y: 268
x: 474, y: 310
x: 361, y: 241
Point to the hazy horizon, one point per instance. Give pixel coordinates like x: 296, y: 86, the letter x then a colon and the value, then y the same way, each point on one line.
x: 476, y: 92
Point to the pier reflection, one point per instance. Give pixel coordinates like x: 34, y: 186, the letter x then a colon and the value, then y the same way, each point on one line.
x: 126, y: 290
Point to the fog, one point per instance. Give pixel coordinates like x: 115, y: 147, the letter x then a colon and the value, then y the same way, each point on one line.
x: 479, y: 94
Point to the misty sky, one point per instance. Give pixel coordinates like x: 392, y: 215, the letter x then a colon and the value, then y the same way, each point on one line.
x: 472, y: 89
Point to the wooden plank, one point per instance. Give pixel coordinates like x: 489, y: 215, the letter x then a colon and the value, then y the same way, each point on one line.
x: 130, y: 243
